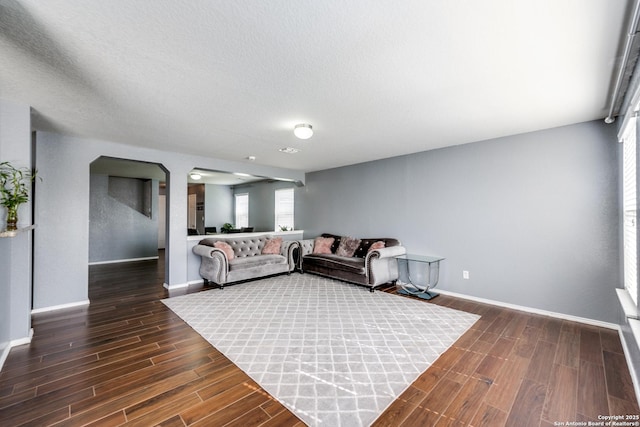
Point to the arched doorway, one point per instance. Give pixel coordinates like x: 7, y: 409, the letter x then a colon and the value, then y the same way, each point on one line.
x: 127, y: 213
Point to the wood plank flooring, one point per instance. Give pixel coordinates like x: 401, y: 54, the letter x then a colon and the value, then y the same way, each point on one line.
x: 128, y: 360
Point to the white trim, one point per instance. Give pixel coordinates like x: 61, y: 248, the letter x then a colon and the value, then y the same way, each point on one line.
x: 635, y: 379
x: 115, y: 261
x: 631, y: 110
x: 4, y: 355
x: 59, y: 307
x: 14, y: 343
x: 182, y: 285
x: 239, y: 235
x: 178, y: 286
x: 563, y: 316
x: 635, y: 328
x: 22, y: 341
x: 628, y: 306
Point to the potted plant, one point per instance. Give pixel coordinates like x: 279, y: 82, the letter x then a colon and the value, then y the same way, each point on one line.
x: 226, y: 227
x: 15, y: 184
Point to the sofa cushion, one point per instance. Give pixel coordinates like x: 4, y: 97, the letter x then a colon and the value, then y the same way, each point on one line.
x: 256, y: 261
x: 322, y: 245
x: 376, y: 245
x: 247, y: 246
x: 348, y: 246
x: 335, y: 245
x: 226, y: 248
x: 350, y: 264
x: 272, y: 247
x: 365, y: 245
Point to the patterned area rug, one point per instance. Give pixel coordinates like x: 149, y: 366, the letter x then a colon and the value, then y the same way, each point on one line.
x: 334, y: 353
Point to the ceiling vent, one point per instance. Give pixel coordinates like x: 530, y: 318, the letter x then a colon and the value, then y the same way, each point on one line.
x: 289, y: 150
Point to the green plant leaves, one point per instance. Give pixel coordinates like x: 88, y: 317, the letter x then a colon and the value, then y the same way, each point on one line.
x: 15, y: 184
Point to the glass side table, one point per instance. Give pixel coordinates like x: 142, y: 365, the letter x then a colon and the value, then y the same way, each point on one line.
x: 430, y: 265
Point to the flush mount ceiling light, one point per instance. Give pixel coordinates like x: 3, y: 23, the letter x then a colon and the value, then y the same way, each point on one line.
x: 195, y: 176
x: 303, y: 131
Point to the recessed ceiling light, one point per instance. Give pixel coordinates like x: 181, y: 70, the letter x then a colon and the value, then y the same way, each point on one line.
x: 241, y: 174
x: 195, y: 176
x: 251, y: 158
x: 289, y: 150
x: 303, y: 131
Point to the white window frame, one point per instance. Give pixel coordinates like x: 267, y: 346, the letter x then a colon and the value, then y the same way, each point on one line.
x: 241, y: 210
x: 629, y: 208
x: 284, y: 208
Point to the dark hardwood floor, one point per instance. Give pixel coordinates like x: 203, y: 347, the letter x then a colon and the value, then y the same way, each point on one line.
x: 127, y: 359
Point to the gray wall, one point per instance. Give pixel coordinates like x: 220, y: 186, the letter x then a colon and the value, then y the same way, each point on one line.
x: 532, y: 217
x: 117, y: 231
x: 62, y: 210
x: 218, y: 205
x: 5, y: 294
x: 15, y: 252
x: 262, y: 203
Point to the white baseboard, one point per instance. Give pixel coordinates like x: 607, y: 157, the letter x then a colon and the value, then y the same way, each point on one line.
x: 116, y: 261
x: 22, y: 341
x: 14, y: 343
x: 177, y: 286
x: 635, y: 379
x: 59, y: 307
x: 182, y: 285
x: 562, y: 316
x: 4, y: 355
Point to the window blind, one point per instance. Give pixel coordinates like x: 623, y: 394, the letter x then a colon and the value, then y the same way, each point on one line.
x: 242, y: 210
x: 284, y: 208
x: 629, y: 203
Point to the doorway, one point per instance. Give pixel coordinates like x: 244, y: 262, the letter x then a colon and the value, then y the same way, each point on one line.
x: 127, y: 213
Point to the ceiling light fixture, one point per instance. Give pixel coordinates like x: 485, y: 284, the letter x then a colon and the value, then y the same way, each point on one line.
x: 195, y: 176
x: 303, y: 131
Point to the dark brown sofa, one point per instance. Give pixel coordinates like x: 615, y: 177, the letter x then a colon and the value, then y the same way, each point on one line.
x: 367, y: 268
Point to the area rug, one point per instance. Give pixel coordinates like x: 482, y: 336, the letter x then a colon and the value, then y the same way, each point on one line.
x: 334, y: 353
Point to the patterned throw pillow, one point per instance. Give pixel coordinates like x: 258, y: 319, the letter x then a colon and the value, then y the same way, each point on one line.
x: 322, y: 245
x: 272, y: 247
x: 226, y: 248
x: 376, y: 245
x: 348, y: 246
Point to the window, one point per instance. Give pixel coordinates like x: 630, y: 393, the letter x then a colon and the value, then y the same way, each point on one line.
x: 242, y: 210
x: 284, y: 209
x: 629, y: 161
x: 191, y: 220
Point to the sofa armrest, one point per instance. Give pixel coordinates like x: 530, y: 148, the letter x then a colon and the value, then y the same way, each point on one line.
x: 381, y: 265
x: 387, y: 252
x: 206, y: 251
x: 289, y: 250
x: 214, y: 265
x: 306, y: 246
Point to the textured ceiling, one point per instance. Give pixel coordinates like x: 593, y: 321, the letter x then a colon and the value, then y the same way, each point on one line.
x: 230, y: 79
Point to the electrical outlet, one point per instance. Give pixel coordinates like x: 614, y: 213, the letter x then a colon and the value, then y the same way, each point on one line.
x: 465, y: 274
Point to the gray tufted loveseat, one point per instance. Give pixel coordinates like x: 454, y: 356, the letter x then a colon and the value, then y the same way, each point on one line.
x: 248, y: 261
